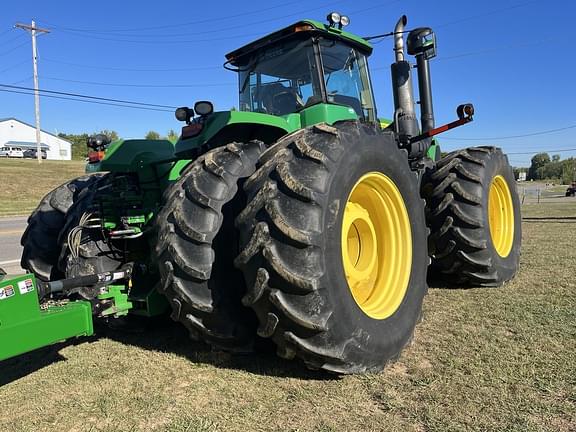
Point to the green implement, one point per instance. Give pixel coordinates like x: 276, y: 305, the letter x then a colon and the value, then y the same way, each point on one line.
x: 25, y: 326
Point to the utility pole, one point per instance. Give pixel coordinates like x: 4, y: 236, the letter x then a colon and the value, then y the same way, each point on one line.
x: 33, y: 31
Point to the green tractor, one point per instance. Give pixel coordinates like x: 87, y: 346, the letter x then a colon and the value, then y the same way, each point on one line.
x: 301, y: 217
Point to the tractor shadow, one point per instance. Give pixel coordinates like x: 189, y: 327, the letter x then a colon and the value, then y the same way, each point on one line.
x: 23, y: 365
x: 161, y: 334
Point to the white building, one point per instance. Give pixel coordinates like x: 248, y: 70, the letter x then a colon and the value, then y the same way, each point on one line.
x: 17, y: 133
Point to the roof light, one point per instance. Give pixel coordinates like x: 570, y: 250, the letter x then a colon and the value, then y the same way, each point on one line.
x: 203, y: 108
x: 333, y: 18
x: 184, y: 114
x: 344, y: 21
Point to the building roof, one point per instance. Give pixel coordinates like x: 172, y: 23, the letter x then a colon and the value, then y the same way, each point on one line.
x: 2, y: 120
x: 26, y: 144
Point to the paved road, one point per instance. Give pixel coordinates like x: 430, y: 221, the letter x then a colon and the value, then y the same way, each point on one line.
x: 11, y: 230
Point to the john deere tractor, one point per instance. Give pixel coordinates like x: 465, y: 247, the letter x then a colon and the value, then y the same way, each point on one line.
x: 302, y: 217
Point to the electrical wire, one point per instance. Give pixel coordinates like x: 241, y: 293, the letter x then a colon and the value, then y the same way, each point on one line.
x: 87, y: 101
x: 542, y: 151
x: 107, y: 84
x: 22, y: 80
x: 492, y: 12
x: 544, y: 132
x: 14, y: 66
x: 225, y: 29
x: 130, y: 69
x: 184, y: 24
x: 19, y: 36
x: 13, y: 49
x: 79, y: 95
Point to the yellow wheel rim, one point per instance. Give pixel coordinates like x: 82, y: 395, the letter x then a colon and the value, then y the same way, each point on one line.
x: 377, y: 245
x: 501, y: 216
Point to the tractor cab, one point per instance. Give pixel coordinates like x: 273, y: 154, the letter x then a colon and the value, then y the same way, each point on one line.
x: 303, y: 65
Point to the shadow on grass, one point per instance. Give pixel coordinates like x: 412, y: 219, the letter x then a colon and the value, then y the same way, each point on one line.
x: 163, y: 335
x: 18, y: 367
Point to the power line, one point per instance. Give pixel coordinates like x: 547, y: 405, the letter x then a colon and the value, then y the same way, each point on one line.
x: 131, y: 69
x: 87, y: 96
x: 225, y: 29
x: 543, y: 151
x: 107, y: 84
x: 18, y: 36
x: 184, y: 24
x: 492, y: 12
x: 14, y: 66
x: 544, y: 132
x: 88, y: 101
x: 14, y: 49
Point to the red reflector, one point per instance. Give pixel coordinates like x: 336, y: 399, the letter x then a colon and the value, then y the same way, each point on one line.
x: 95, y: 156
x: 303, y: 27
x: 191, y: 130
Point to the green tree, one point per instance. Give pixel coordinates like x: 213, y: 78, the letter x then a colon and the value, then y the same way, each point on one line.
x: 538, y: 161
x: 152, y: 135
x: 568, y: 171
x: 79, y: 147
x: 172, y: 136
x: 113, y: 135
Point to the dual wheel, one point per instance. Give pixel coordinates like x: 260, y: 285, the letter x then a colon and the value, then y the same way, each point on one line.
x: 318, y: 242
x: 320, y: 251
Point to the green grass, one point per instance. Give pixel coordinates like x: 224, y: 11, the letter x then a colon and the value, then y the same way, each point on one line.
x: 25, y: 182
x: 500, y: 359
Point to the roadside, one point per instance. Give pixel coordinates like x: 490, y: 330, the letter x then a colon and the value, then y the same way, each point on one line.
x: 24, y: 182
x: 11, y: 229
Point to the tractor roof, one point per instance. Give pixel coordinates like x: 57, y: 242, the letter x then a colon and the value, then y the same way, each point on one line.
x: 301, y: 27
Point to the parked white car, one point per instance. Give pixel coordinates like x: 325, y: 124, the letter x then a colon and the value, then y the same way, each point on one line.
x: 9, y: 151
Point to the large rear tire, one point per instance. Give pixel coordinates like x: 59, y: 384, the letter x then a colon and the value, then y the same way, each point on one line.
x: 332, y: 250
x: 197, y: 244
x: 41, y: 238
x: 474, y: 218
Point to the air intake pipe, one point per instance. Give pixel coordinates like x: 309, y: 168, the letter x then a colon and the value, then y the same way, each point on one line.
x: 404, y: 115
x: 421, y: 43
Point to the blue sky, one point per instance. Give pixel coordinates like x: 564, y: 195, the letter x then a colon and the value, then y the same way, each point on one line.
x: 512, y: 58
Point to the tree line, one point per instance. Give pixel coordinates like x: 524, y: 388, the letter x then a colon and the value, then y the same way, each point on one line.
x: 544, y: 167
x: 80, y: 150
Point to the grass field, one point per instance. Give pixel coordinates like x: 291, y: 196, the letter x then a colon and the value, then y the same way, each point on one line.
x: 483, y: 359
x: 25, y: 182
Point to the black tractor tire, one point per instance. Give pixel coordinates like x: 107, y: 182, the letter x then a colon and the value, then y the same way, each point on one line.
x: 457, y: 194
x: 41, y: 237
x: 291, y: 256
x: 197, y: 244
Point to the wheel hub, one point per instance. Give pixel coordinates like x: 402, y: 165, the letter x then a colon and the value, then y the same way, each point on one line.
x: 376, y: 245
x: 501, y: 216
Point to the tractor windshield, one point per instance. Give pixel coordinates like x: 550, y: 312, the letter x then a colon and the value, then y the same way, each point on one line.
x: 280, y: 79
x: 285, y: 78
x: 346, y: 78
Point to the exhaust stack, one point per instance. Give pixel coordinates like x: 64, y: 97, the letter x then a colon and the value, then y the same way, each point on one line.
x: 404, y: 115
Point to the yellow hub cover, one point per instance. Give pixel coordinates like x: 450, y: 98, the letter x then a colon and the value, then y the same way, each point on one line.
x: 501, y: 216
x: 377, y: 245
